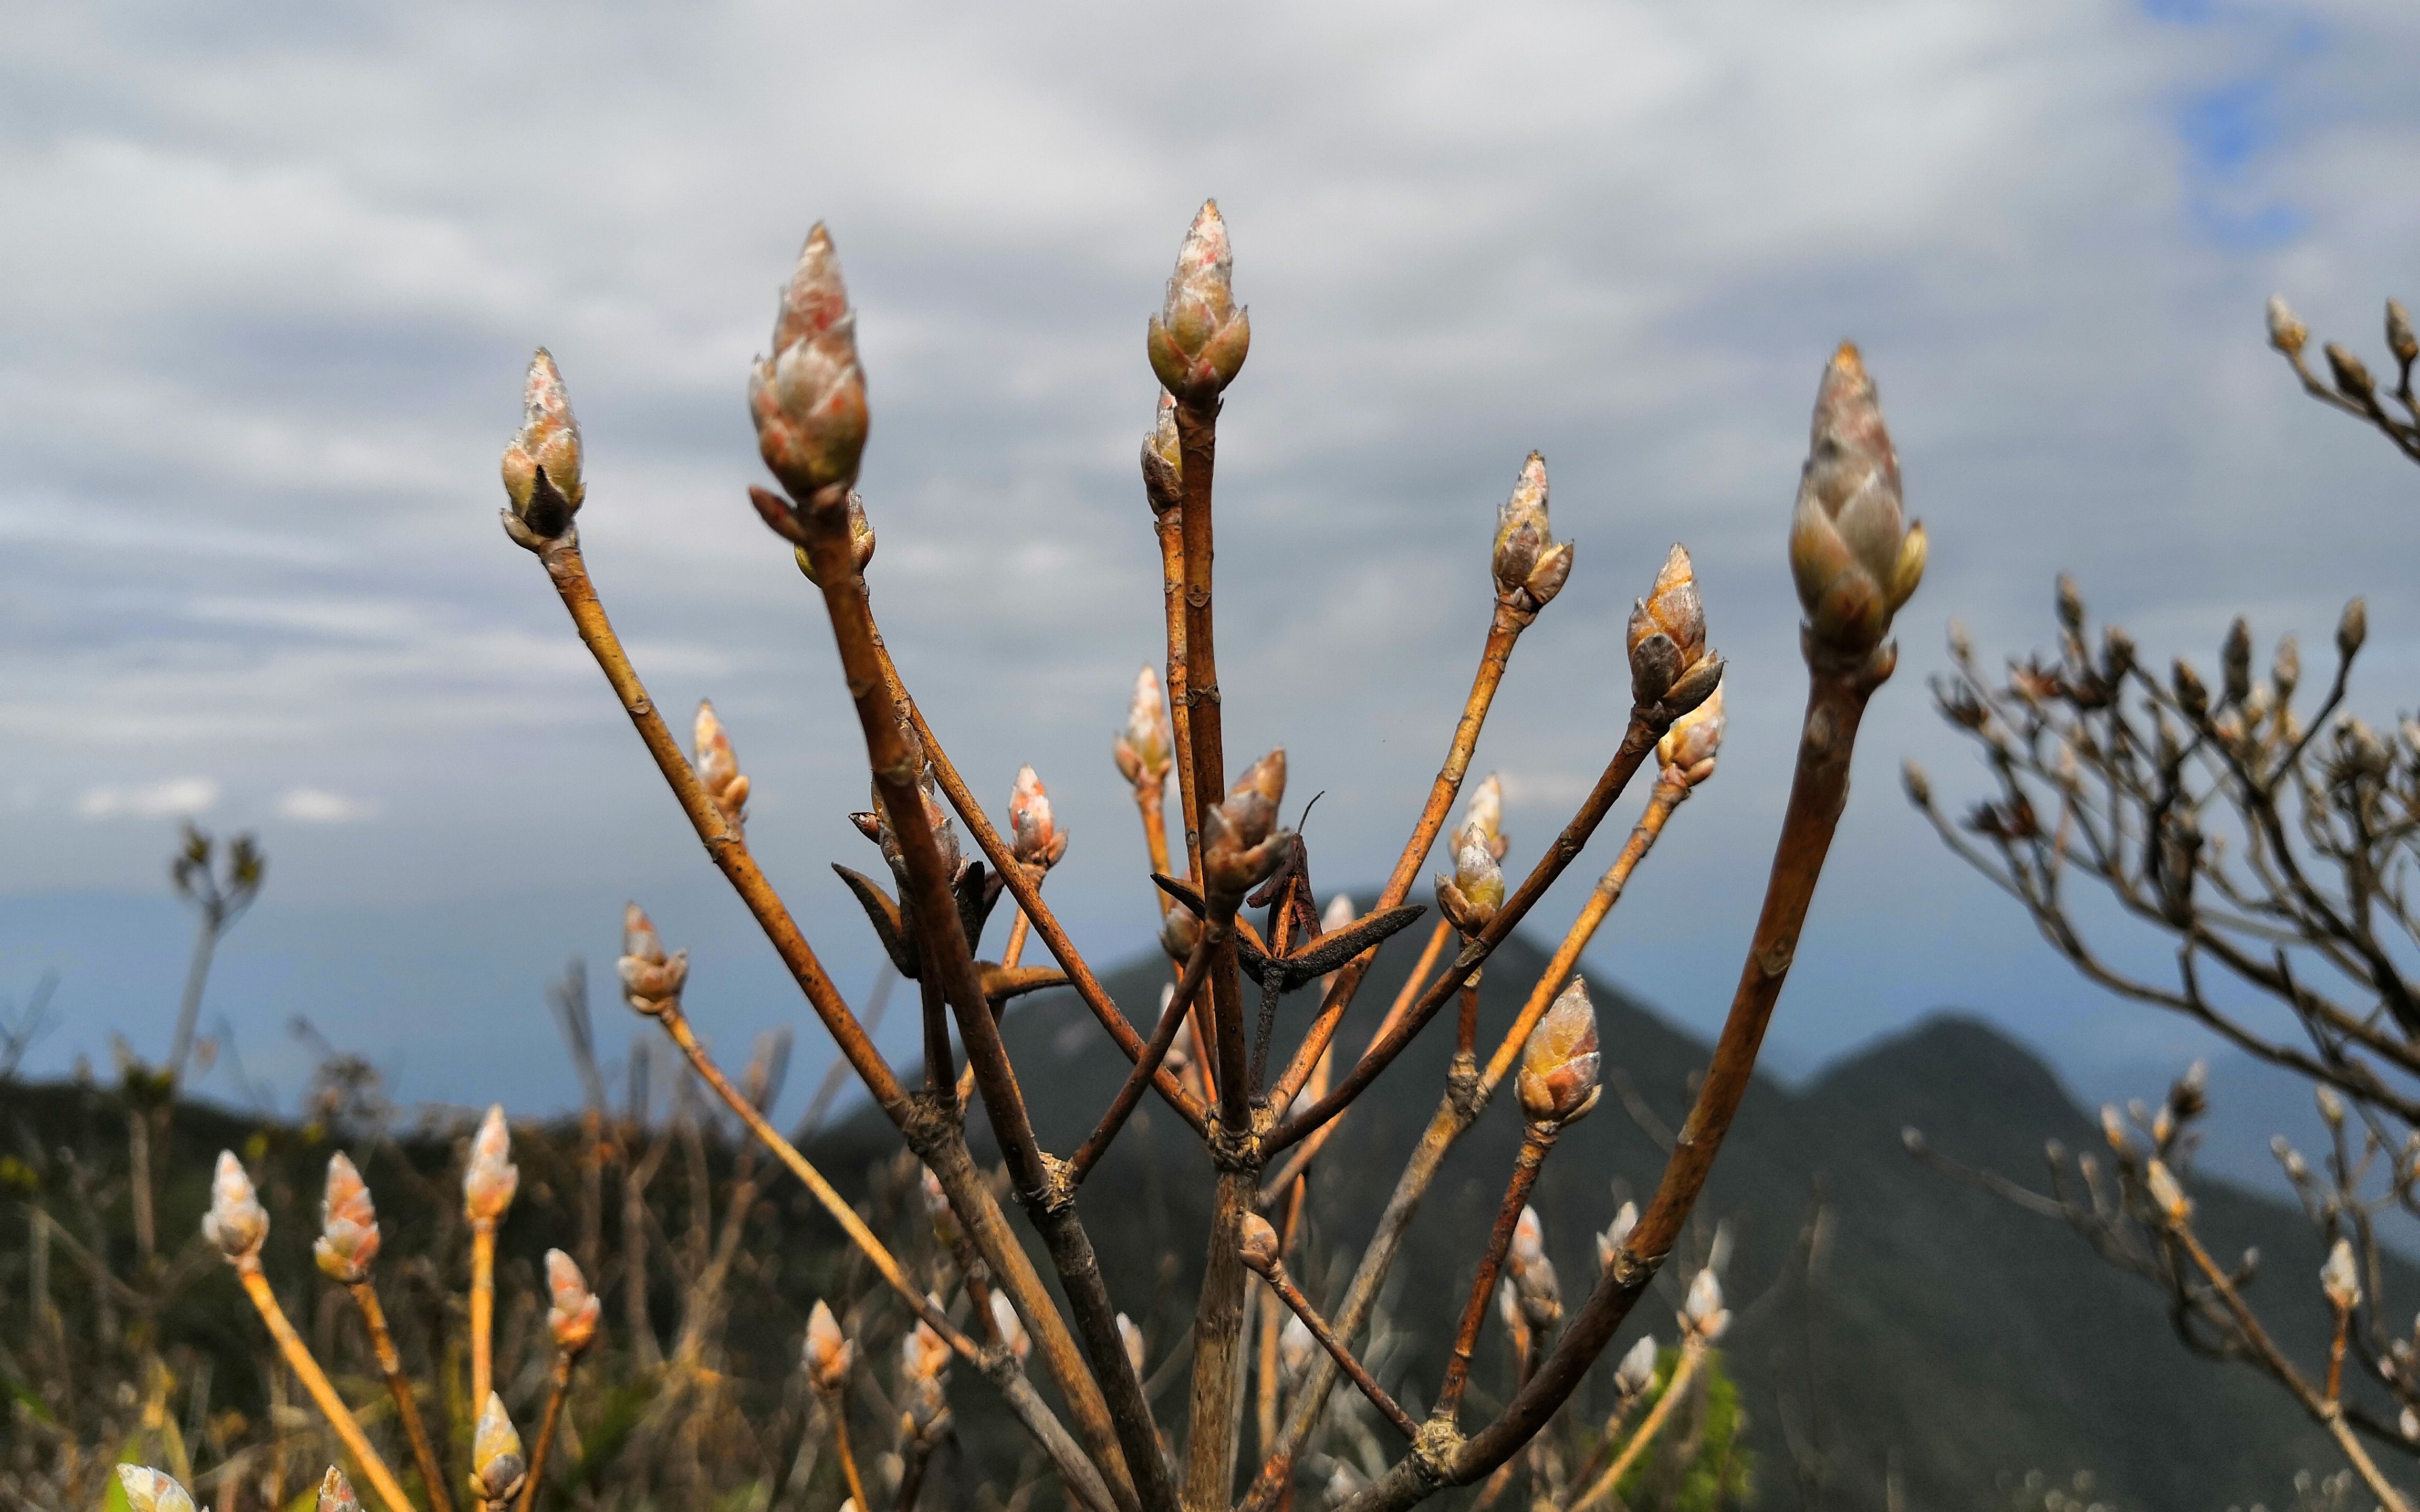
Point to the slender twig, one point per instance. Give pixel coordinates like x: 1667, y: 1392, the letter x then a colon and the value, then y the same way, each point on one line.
x: 398, y: 1385
x: 314, y: 1381
x: 1693, y: 1352
x: 558, y: 1388
x: 836, y: 1408
x: 483, y: 1306
x: 1283, y: 1285
x: 1172, y: 1018
x: 1536, y: 1139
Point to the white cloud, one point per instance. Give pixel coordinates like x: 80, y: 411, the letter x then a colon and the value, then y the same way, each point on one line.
x: 175, y: 798
x: 317, y: 805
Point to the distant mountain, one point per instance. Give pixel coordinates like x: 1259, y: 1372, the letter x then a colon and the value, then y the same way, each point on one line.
x: 1944, y: 1330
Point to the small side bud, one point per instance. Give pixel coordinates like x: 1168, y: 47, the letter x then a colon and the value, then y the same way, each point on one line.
x: 491, y: 1179
x: 1483, y: 810
x: 541, y: 464
x: 349, y: 1225
x: 1472, y: 898
x: 1009, y: 1327
x: 1258, y: 1242
x: 1241, y: 845
x: 784, y: 520
x: 651, y: 980
x: 1688, y: 749
x: 573, y: 1310
x: 1035, y: 838
x: 1559, y: 1064
x: 808, y: 398
x: 496, y: 1465
x: 237, y: 1225
x: 153, y: 1490
x: 1198, y: 340
x: 2166, y: 1194
x: 2331, y: 1107
x: 1297, y: 1348
x: 1919, y: 785
x: 1855, y: 557
x: 1609, y: 1242
x: 1143, y: 748
x: 1636, y: 1371
x: 2340, y: 1279
x: 2351, y: 375
x: 336, y: 1492
x: 2193, y: 697
x: 717, y: 768
x: 2286, y: 333
x: 828, y: 1353
x: 1702, y: 1312
x: 1163, y: 464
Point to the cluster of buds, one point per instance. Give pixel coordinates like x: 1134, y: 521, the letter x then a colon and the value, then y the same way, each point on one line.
x: 1163, y: 463
x: 1531, y: 1276
x: 2352, y: 377
x: 808, y: 398
x: 2340, y: 1279
x: 1617, y: 1234
x: 491, y: 1179
x: 541, y: 464
x: 828, y: 1353
x: 1034, y: 836
x: 1671, y: 668
x: 1851, y: 551
x: 718, y: 769
x: 1702, y: 1314
x: 349, y: 1225
x: 1560, y: 1063
x: 1688, y: 749
x: 237, y: 1225
x: 1530, y: 565
x: 923, y: 1369
x: 497, y: 1467
x: 1198, y: 341
x: 651, y: 980
x: 1241, y: 842
x: 876, y: 825
x: 1144, y: 748
x: 1471, y: 897
x: 573, y: 1310
x: 1636, y: 1371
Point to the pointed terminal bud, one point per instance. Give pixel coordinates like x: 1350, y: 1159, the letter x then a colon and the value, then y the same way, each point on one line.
x: 2339, y: 1279
x: 236, y: 1223
x: 1258, y: 1242
x: 651, y: 980
x: 1559, y: 1064
x: 2286, y: 333
x: 2192, y: 697
x: 1668, y: 635
x: 336, y: 1492
x: 1131, y: 1337
x: 1688, y: 749
x: 2113, y: 1128
x: 1337, y: 915
x: 1530, y: 567
x: 2070, y: 605
x: 828, y: 1354
x: 784, y: 520
x: 1636, y: 1371
x: 1919, y: 786
x: 2331, y: 1107
x: 1163, y: 463
x: 541, y: 464
x: 153, y: 1490
x: 1009, y: 1326
x: 717, y: 768
x: 1472, y: 898
x: 2399, y: 339
x: 1483, y: 810
x: 2285, y: 671
x: 491, y: 1179
x: 496, y: 1465
x: 1034, y: 839
x: 2235, y: 661
x: 924, y: 1354
x: 808, y: 398
x: 1702, y: 1312
x: 1241, y: 845
x: 1609, y: 1242
x: 1855, y: 557
x: 2351, y: 375
x: 1178, y: 935
x: 1198, y: 341
x: 2352, y: 629
x: 2166, y: 1194
x: 573, y: 1309
x: 349, y: 1225
x: 1143, y: 749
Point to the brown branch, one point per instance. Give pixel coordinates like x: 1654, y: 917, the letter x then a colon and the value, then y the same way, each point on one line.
x: 1693, y: 1353
x: 314, y: 1381
x: 398, y: 1385
x: 1536, y: 1139
x: 558, y: 1388
x: 1172, y: 1018
x: 1291, y: 1294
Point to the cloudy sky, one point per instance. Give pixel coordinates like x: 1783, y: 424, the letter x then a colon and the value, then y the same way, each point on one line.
x: 267, y: 281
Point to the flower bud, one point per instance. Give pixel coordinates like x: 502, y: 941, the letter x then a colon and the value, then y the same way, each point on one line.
x: 1530, y: 567
x: 2339, y: 1279
x: 236, y: 1223
x: 1297, y: 1347
x: 336, y: 1492
x: 1178, y: 935
x: 1636, y: 1371
x: 496, y: 1464
x: 1009, y: 1326
x: 1258, y: 1242
x: 1338, y: 914
x: 718, y: 769
x: 2352, y: 629
x: 1199, y: 339
x: 1034, y: 839
x: 1143, y: 749
x: 491, y: 1179
x: 924, y: 1354
x: 2351, y: 375
x: 1688, y: 749
x: 2399, y: 339
x: 1483, y: 810
x: 1163, y: 463
x: 651, y: 980
x: 1559, y: 1064
x: 2286, y: 333
x: 1701, y: 1311
x: 1609, y: 1242
x: 541, y: 463
x: 2191, y: 697
x: 1919, y: 786
x: 574, y: 1310
x: 2113, y: 1128
x: 153, y: 1490
x: 2070, y: 605
x: 808, y: 398
x: 2190, y: 1095
x: 1472, y: 898
x: 1131, y: 1337
x: 828, y: 1353
x: 2166, y: 1194
x: 349, y: 1225
x: 2331, y: 1107
x: 1534, y: 1286
x: 2286, y: 670
x: 1241, y: 845
x: 779, y: 514
x: 1855, y: 557
x: 1668, y: 633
